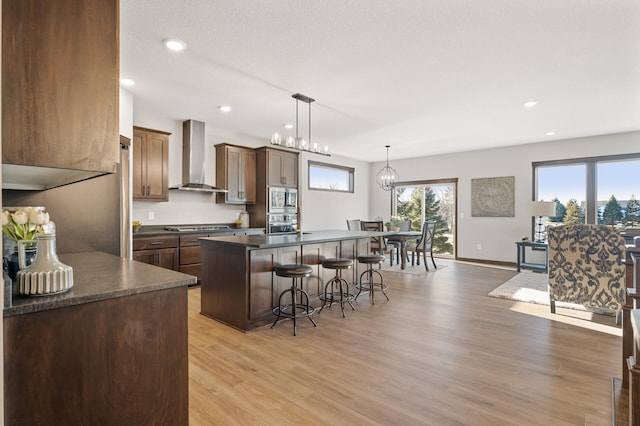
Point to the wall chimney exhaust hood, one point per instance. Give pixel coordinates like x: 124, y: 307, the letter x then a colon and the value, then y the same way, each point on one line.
x: 193, y: 165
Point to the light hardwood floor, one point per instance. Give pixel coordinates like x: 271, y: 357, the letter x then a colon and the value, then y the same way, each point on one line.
x: 440, y: 352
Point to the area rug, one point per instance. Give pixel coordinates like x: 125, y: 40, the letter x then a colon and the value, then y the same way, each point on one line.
x: 528, y: 287
x: 531, y: 287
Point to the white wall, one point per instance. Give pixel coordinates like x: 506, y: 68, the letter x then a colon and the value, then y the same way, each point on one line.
x: 183, y: 207
x: 496, y: 235
x: 330, y: 210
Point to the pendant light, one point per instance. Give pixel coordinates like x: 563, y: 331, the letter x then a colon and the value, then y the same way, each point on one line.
x: 387, y: 176
x: 298, y: 142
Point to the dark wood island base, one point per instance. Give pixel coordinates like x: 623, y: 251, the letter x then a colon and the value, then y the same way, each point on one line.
x: 239, y: 287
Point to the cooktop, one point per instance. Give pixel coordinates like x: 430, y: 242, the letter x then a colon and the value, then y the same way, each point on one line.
x: 188, y: 228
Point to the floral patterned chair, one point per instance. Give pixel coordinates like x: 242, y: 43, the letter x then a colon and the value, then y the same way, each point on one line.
x: 586, y: 266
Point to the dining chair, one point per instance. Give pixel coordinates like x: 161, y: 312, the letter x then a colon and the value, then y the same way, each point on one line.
x: 403, y: 226
x: 378, y: 244
x: 424, y: 245
x: 354, y: 225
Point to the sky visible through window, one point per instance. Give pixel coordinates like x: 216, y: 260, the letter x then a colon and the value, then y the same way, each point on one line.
x: 328, y: 178
x: 565, y: 182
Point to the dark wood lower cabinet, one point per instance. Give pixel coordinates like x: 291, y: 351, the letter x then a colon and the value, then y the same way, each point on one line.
x: 239, y: 287
x: 164, y: 258
x: 121, y: 361
x: 159, y: 251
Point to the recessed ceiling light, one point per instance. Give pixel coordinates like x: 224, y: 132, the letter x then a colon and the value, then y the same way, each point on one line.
x: 224, y: 108
x: 174, y: 44
x: 551, y: 133
x: 530, y: 104
x: 127, y: 82
x: 288, y: 126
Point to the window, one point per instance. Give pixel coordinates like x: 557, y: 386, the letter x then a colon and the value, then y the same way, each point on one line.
x: 330, y: 177
x: 598, y: 190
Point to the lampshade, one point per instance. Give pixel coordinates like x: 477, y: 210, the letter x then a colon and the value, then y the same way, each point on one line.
x: 543, y: 208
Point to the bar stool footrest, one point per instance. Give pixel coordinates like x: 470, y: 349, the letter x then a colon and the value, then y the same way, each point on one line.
x: 285, y: 311
x: 337, y: 297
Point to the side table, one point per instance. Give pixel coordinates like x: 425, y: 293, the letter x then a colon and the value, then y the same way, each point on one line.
x: 521, y: 258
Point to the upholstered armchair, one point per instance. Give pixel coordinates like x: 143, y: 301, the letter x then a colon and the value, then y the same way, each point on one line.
x: 586, y: 266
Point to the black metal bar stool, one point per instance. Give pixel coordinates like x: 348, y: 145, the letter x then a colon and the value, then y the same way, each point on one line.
x: 337, y: 288
x: 294, y: 310
x: 370, y: 285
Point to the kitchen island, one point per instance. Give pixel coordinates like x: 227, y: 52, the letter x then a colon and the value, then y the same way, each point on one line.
x: 111, y: 350
x: 239, y: 287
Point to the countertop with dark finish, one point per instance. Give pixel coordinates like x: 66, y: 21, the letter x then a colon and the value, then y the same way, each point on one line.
x: 159, y: 230
x: 100, y: 276
x: 312, y: 237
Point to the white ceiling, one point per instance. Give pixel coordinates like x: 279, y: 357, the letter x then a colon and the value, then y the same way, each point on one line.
x: 424, y: 76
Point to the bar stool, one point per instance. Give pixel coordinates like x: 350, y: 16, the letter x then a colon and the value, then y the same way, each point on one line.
x: 294, y: 310
x: 337, y: 288
x: 370, y: 285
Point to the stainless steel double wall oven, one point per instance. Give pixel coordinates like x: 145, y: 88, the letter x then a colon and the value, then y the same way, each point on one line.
x: 282, y: 216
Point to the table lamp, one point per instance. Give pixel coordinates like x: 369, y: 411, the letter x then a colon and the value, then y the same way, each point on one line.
x: 542, y: 209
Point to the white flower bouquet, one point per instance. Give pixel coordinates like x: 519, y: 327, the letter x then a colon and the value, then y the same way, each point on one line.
x: 24, y: 223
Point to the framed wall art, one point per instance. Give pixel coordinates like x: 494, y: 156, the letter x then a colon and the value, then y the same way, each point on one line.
x: 493, y: 197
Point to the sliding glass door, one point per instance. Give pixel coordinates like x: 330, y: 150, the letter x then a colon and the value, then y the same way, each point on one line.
x: 430, y: 200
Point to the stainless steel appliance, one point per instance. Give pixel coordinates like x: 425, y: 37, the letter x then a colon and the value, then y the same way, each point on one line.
x: 124, y: 178
x: 193, y: 164
x: 282, y: 216
x: 283, y: 200
x: 191, y: 228
x: 279, y: 223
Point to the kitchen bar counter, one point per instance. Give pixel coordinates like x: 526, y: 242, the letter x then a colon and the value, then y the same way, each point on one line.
x: 112, y: 350
x: 100, y: 276
x: 239, y: 287
x: 274, y: 240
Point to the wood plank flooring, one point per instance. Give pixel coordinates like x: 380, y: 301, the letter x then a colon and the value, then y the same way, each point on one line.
x: 440, y: 352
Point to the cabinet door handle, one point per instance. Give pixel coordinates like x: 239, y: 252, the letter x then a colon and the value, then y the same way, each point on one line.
x: 148, y: 190
x: 156, y: 243
x: 144, y: 190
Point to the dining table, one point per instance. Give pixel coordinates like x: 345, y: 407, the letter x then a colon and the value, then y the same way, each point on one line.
x: 403, y: 237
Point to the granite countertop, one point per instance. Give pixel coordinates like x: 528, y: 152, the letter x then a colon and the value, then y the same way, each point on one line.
x: 100, y: 276
x: 159, y: 230
x: 270, y: 241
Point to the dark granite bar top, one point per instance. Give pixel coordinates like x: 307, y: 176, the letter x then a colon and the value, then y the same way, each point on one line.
x: 100, y: 276
x: 159, y: 230
x: 271, y: 241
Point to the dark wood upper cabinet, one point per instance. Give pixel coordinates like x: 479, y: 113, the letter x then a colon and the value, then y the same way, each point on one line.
x: 60, y: 88
x: 150, y: 165
x: 236, y: 172
x: 282, y: 168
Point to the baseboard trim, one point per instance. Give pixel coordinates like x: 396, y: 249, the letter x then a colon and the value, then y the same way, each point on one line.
x: 487, y: 262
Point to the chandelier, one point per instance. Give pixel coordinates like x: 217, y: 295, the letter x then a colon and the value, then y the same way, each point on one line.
x: 387, y: 176
x: 298, y: 142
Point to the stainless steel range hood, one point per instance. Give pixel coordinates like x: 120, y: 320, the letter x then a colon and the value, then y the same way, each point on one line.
x: 193, y: 165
